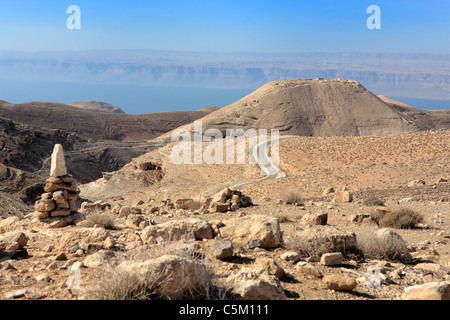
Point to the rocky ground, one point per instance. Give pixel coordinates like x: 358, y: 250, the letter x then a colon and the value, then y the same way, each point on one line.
x: 254, y: 243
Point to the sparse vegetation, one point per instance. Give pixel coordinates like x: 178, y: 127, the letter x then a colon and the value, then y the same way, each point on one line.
x: 128, y: 284
x: 104, y: 219
x: 309, y: 247
x: 373, y: 202
x: 401, y: 219
x: 293, y: 197
x: 385, y: 248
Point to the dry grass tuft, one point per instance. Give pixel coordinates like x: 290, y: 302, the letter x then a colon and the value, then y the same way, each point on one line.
x: 315, y: 247
x: 293, y: 197
x: 373, y: 202
x: 388, y: 248
x: 401, y: 219
x: 126, y: 284
x: 104, y: 219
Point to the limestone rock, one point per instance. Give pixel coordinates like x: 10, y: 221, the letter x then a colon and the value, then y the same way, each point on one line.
x: 308, y: 269
x: 331, y: 259
x: 339, y: 283
x: 87, y: 235
x: 221, y: 249
x: 428, y: 291
x: 58, y: 163
x: 336, y: 240
x: 99, y: 258
x: 258, y: 284
x: 266, y: 229
x: 174, y: 230
x: 318, y: 219
x: 12, y: 241
x: 177, y: 276
x: 126, y: 211
x: 271, y: 266
x: 290, y: 256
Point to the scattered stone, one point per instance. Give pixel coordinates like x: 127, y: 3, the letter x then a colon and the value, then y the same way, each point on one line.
x: 27, y: 293
x: 343, y: 196
x: 327, y: 191
x: 174, y: 230
x: 9, y: 224
x: 291, y: 256
x: 266, y: 229
x: 428, y: 291
x: 13, y: 280
x: 85, y: 235
x: 97, y: 206
x: 126, y: 211
x: 318, y: 219
x: 61, y: 256
x: 416, y: 183
x: 43, y: 278
x: 331, y: 259
x: 99, y: 258
x: 308, y: 269
x: 271, y: 266
x: 185, y: 204
x: 12, y: 241
x: 221, y: 249
x: 339, y: 283
x: 134, y: 221
x: 253, y: 284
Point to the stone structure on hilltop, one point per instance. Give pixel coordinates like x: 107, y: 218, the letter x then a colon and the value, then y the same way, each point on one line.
x: 61, y: 192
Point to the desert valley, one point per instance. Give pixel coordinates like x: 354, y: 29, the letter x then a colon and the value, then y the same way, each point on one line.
x: 359, y: 208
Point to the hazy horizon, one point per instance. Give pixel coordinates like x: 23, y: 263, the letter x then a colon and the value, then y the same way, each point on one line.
x: 217, y: 50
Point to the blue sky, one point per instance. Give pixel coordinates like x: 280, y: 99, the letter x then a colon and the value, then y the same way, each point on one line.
x: 227, y: 26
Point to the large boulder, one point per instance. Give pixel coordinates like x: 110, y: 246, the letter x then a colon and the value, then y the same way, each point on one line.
x: 12, y: 241
x: 174, y: 277
x: 258, y: 284
x: 265, y: 229
x: 86, y: 235
x: 335, y: 239
x: 339, y: 283
x: 177, y: 229
x: 428, y: 291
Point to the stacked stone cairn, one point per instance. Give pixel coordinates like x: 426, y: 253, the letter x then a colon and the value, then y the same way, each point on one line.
x: 61, y: 192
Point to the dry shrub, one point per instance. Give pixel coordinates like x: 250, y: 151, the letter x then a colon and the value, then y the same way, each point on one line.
x: 401, y: 219
x: 381, y: 248
x: 315, y: 247
x: 104, y: 219
x: 119, y: 284
x: 126, y: 284
x: 293, y: 197
x: 373, y: 202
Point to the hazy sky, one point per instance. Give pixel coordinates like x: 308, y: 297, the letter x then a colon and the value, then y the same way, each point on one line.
x: 227, y: 26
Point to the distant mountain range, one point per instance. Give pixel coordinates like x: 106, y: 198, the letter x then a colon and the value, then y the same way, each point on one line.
x: 425, y: 76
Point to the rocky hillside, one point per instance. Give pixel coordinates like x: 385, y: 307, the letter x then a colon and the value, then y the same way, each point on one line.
x: 25, y: 153
x: 98, y: 125
x: 321, y: 107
